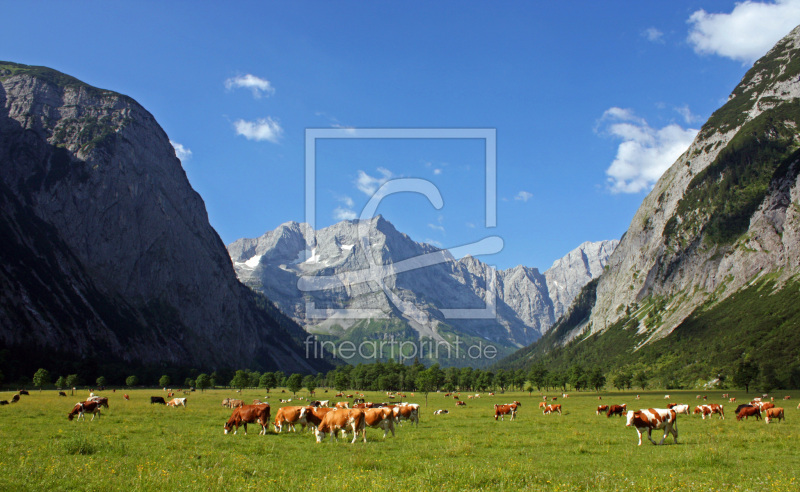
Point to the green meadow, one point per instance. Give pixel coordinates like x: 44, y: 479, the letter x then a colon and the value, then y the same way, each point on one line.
x: 134, y: 445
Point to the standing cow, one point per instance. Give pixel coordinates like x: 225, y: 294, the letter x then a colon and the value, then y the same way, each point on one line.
x: 654, y: 418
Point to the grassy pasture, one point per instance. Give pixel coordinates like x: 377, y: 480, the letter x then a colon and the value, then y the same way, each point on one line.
x: 138, y: 446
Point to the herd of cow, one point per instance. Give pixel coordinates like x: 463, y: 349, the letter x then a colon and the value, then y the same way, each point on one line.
x: 324, y: 419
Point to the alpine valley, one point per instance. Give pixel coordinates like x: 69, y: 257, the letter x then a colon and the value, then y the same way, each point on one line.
x: 412, y: 305
x: 705, y: 280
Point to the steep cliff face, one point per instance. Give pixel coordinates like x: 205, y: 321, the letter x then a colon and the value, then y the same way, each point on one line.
x: 91, y: 186
x: 725, y: 212
x: 525, y: 308
x: 713, y: 253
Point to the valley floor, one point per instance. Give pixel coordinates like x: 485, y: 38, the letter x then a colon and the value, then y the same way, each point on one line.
x: 138, y: 446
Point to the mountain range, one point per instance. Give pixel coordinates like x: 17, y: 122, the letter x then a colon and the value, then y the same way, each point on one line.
x: 370, y: 267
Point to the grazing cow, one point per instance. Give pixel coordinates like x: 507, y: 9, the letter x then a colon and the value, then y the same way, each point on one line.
x: 440, y: 412
x: 157, y: 399
x: 773, y: 413
x: 126, y: 397
x: 247, y: 414
x: 3, y: 402
x: 61, y: 393
x: 554, y: 398
x: 542, y: 404
x: 342, y: 419
x: 503, y: 410
x: 379, y: 418
x: 407, y: 412
x: 787, y: 397
x: 732, y: 400
x: 709, y: 410
x: 601, y: 409
x: 637, y: 397
x: 461, y: 404
x: 747, y: 411
x: 176, y: 402
x: 552, y: 408
x: 314, y: 415
x: 86, y: 406
x: 101, y: 400
x: 666, y: 397
x: 289, y: 416
x: 24, y: 392
x: 599, y: 397
x: 14, y: 398
x: 342, y: 404
x: 564, y: 395
x: 349, y: 396
x: 337, y: 395
x: 617, y: 410
x: 724, y: 395
x: 281, y: 400
x: 257, y: 402
x: 654, y: 418
x: 766, y: 406
x: 680, y: 408
x: 324, y: 403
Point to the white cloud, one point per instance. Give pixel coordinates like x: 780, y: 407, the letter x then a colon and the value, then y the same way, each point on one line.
x: 261, y: 129
x: 437, y: 228
x: 470, y: 225
x: 257, y: 85
x: 433, y: 242
x: 645, y: 152
x: 523, y: 196
x: 654, y: 35
x: 349, y: 203
x: 183, y: 153
x: 437, y: 172
x: 745, y: 34
x: 340, y: 213
x: 368, y: 184
x: 687, y: 114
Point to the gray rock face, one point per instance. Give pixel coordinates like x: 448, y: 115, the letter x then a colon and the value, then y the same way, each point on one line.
x: 97, y: 173
x: 668, y: 251
x: 420, y: 298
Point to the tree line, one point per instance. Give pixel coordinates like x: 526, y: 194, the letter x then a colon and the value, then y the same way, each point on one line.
x: 394, y: 376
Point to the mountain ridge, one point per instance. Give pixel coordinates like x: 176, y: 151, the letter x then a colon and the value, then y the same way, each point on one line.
x: 721, y: 224
x: 274, y: 263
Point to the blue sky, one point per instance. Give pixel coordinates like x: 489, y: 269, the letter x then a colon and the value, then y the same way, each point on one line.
x: 591, y: 101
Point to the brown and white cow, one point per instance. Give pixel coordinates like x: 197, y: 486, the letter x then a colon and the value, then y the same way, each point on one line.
x: 552, y: 408
x: 248, y: 414
x: 341, y: 420
x: 617, y: 410
x: 80, y: 408
x: 680, y: 408
x: 503, y: 410
x: 342, y: 404
x: 601, y: 409
x: 654, y: 418
x: 461, y: 404
x: 313, y: 415
x: 380, y: 418
x: 787, y: 397
x: 441, y: 412
x: 773, y: 413
x: 542, y: 404
x: 709, y: 410
x: 407, y: 412
x: 288, y: 416
x: 181, y: 402
x: 746, y: 411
